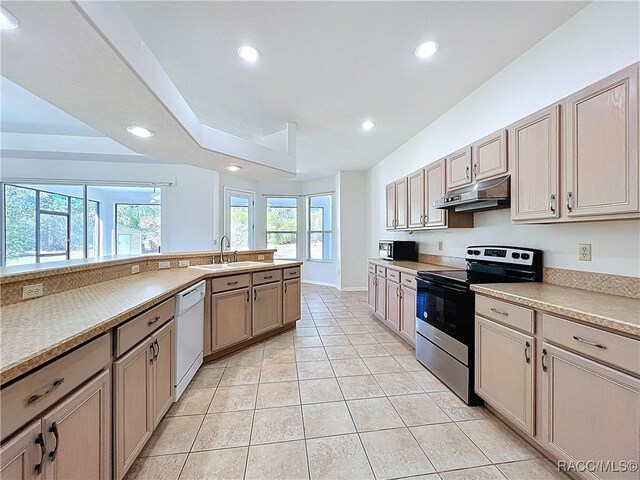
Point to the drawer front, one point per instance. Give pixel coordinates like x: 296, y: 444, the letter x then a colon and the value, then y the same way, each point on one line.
x: 393, y: 275
x: 372, y: 268
x: 233, y: 282
x: 608, y: 347
x: 293, y: 272
x: 381, y: 271
x: 408, y: 280
x: 267, y: 277
x: 28, y: 398
x: 505, y: 313
x: 134, y: 331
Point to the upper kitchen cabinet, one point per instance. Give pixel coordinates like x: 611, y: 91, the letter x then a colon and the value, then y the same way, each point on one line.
x: 489, y: 156
x: 459, y: 168
x: 534, y: 146
x: 401, y: 203
x: 434, y: 188
x: 390, y: 202
x: 601, y: 143
x: 416, y: 190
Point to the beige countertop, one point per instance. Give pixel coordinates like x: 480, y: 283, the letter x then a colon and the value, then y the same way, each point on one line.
x: 612, y: 312
x: 33, y: 332
x: 412, y: 267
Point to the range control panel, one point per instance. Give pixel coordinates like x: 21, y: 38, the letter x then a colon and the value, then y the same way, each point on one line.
x: 511, y: 255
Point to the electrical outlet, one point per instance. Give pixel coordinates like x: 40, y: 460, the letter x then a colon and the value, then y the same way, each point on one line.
x: 440, y: 245
x: 135, y: 269
x: 183, y: 263
x: 260, y: 257
x: 162, y: 265
x: 32, y: 291
x: 584, y: 253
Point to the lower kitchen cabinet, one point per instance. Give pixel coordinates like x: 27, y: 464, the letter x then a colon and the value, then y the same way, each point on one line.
x: 380, y: 309
x: 371, y: 291
x: 504, y: 371
x: 163, y: 371
x: 291, y: 307
x: 267, y: 307
x: 23, y: 457
x: 408, y: 314
x: 392, y: 318
x: 230, y: 318
x: 590, y: 412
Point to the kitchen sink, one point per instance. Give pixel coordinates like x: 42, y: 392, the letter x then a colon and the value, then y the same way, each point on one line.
x: 231, y: 266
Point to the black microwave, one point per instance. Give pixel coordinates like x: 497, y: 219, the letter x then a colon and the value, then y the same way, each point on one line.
x: 398, y: 250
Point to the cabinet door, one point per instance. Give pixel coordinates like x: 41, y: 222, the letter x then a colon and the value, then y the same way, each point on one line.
x: 459, y: 168
x: 434, y: 189
x: 230, y: 317
x: 601, y: 161
x: 371, y: 291
x: 415, y: 184
x: 504, y: 371
x: 393, y: 306
x: 133, y: 421
x: 390, y: 202
x: 381, y: 297
x: 534, y: 148
x: 164, y: 375
x: 23, y: 457
x: 267, y: 307
x: 590, y: 412
x: 78, y: 433
x: 401, y: 203
x: 408, y: 314
x: 490, y: 156
x: 291, y: 302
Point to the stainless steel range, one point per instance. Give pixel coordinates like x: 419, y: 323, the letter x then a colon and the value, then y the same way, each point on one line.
x: 445, y: 310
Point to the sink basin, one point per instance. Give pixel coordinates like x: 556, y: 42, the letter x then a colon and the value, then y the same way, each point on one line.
x: 230, y: 266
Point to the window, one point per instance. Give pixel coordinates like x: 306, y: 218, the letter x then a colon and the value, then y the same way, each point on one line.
x: 137, y: 228
x: 239, y: 227
x: 319, y: 227
x: 282, y: 226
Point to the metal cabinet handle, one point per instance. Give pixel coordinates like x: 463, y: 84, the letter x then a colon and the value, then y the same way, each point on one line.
x: 495, y: 310
x: 268, y: 277
x: 248, y: 297
x: 153, y: 353
x: 54, y: 429
x: 544, y: 355
x: 255, y: 295
x: 151, y: 322
x: 37, y: 396
x: 158, y: 352
x: 569, y: 201
x: 552, y: 203
x: 232, y: 283
x: 587, y: 342
x: 467, y: 173
x: 40, y: 442
x: 475, y: 169
x: 285, y: 288
x: 526, y: 352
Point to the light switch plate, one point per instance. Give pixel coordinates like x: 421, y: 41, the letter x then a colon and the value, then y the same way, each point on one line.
x: 183, y: 263
x: 260, y: 257
x: 584, y: 253
x: 440, y: 245
x: 165, y: 264
x: 135, y: 269
x: 32, y: 291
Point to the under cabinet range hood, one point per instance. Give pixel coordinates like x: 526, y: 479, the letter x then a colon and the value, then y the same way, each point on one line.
x: 481, y: 196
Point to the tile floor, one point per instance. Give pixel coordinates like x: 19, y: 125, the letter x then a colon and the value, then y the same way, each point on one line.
x: 339, y: 397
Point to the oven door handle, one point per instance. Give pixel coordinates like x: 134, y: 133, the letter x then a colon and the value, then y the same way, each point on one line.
x: 429, y: 284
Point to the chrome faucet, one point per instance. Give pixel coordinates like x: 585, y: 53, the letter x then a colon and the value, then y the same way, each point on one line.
x: 222, y: 247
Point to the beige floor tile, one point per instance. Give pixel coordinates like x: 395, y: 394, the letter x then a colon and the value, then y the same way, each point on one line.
x: 409, y: 363
x: 217, y: 363
x: 173, y: 435
x: 324, y: 419
x: 397, y: 383
x: 341, y: 352
x: 448, y: 447
x: 306, y: 332
x: 281, y: 341
x: 194, y: 401
x: 330, y: 331
x: 319, y: 369
x: 307, y: 342
x: 346, y: 321
x: 363, y: 386
x: 428, y: 381
x: 280, y: 424
x: 286, y: 460
x: 320, y: 390
x: 325, y: 322
x: 306, y: 323
x: 478, y: 473
x: 455, y: 408
x: 382, y: 365
x: 164, y: 467
x: 284, y: 355
x: 334, y: 340
x: 395, y: 453
x: 278, y: 372
x: 228, y: 464
x: 247, y: 375
x: 354, y: 329
x: 371, y: 350
x: 385, y: 337
x: 246, y: 357
x: 279, y: 394
x: 224, y: 430
x: 362, y: 339
x: 310, y: 354
x: 374, y: 414
x: 206, y: 378
x: 351, y: 366
x: 338, y: 458
x: 540, y: 469
x: 431, y: 476
x: 231, y: 399
x: 399, y: 349
x: 418, y: 409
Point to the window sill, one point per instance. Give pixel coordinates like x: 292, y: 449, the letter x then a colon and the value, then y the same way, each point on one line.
x: 318, y: 261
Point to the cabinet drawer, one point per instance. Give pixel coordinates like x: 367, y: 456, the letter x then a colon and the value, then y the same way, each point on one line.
x: 393, y: 275
x: 293, y: 272
x: 134, y: 331
x: 29, y: 397
x: 267, y: 277
x: 408, y: 280
x: 233, y: 282
x: 614, y: 349
x: 506, y: 313
x: 372, y: 268
x: 381, y: 271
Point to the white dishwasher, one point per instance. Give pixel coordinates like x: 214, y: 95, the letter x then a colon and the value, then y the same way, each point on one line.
x: 189, y: 334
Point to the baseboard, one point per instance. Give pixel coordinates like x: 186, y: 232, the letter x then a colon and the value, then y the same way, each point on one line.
x: 337, y: 287
x: 353, y: 289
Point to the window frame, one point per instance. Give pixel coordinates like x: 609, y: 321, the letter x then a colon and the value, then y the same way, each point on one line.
x: 294, y: 232
x: 115, y: 223
x: 250, y: 195
x: 323, y: 232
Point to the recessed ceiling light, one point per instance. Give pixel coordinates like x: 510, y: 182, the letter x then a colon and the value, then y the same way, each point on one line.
x: 233, y: 168
x: 426, y: 49
x: 249, y: 54
x: 368, y: 125
x: 140, y: 131
x: 8, y: 21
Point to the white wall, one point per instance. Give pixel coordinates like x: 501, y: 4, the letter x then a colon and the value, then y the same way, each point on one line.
x: 351, y: 229
x: 602, y: 38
